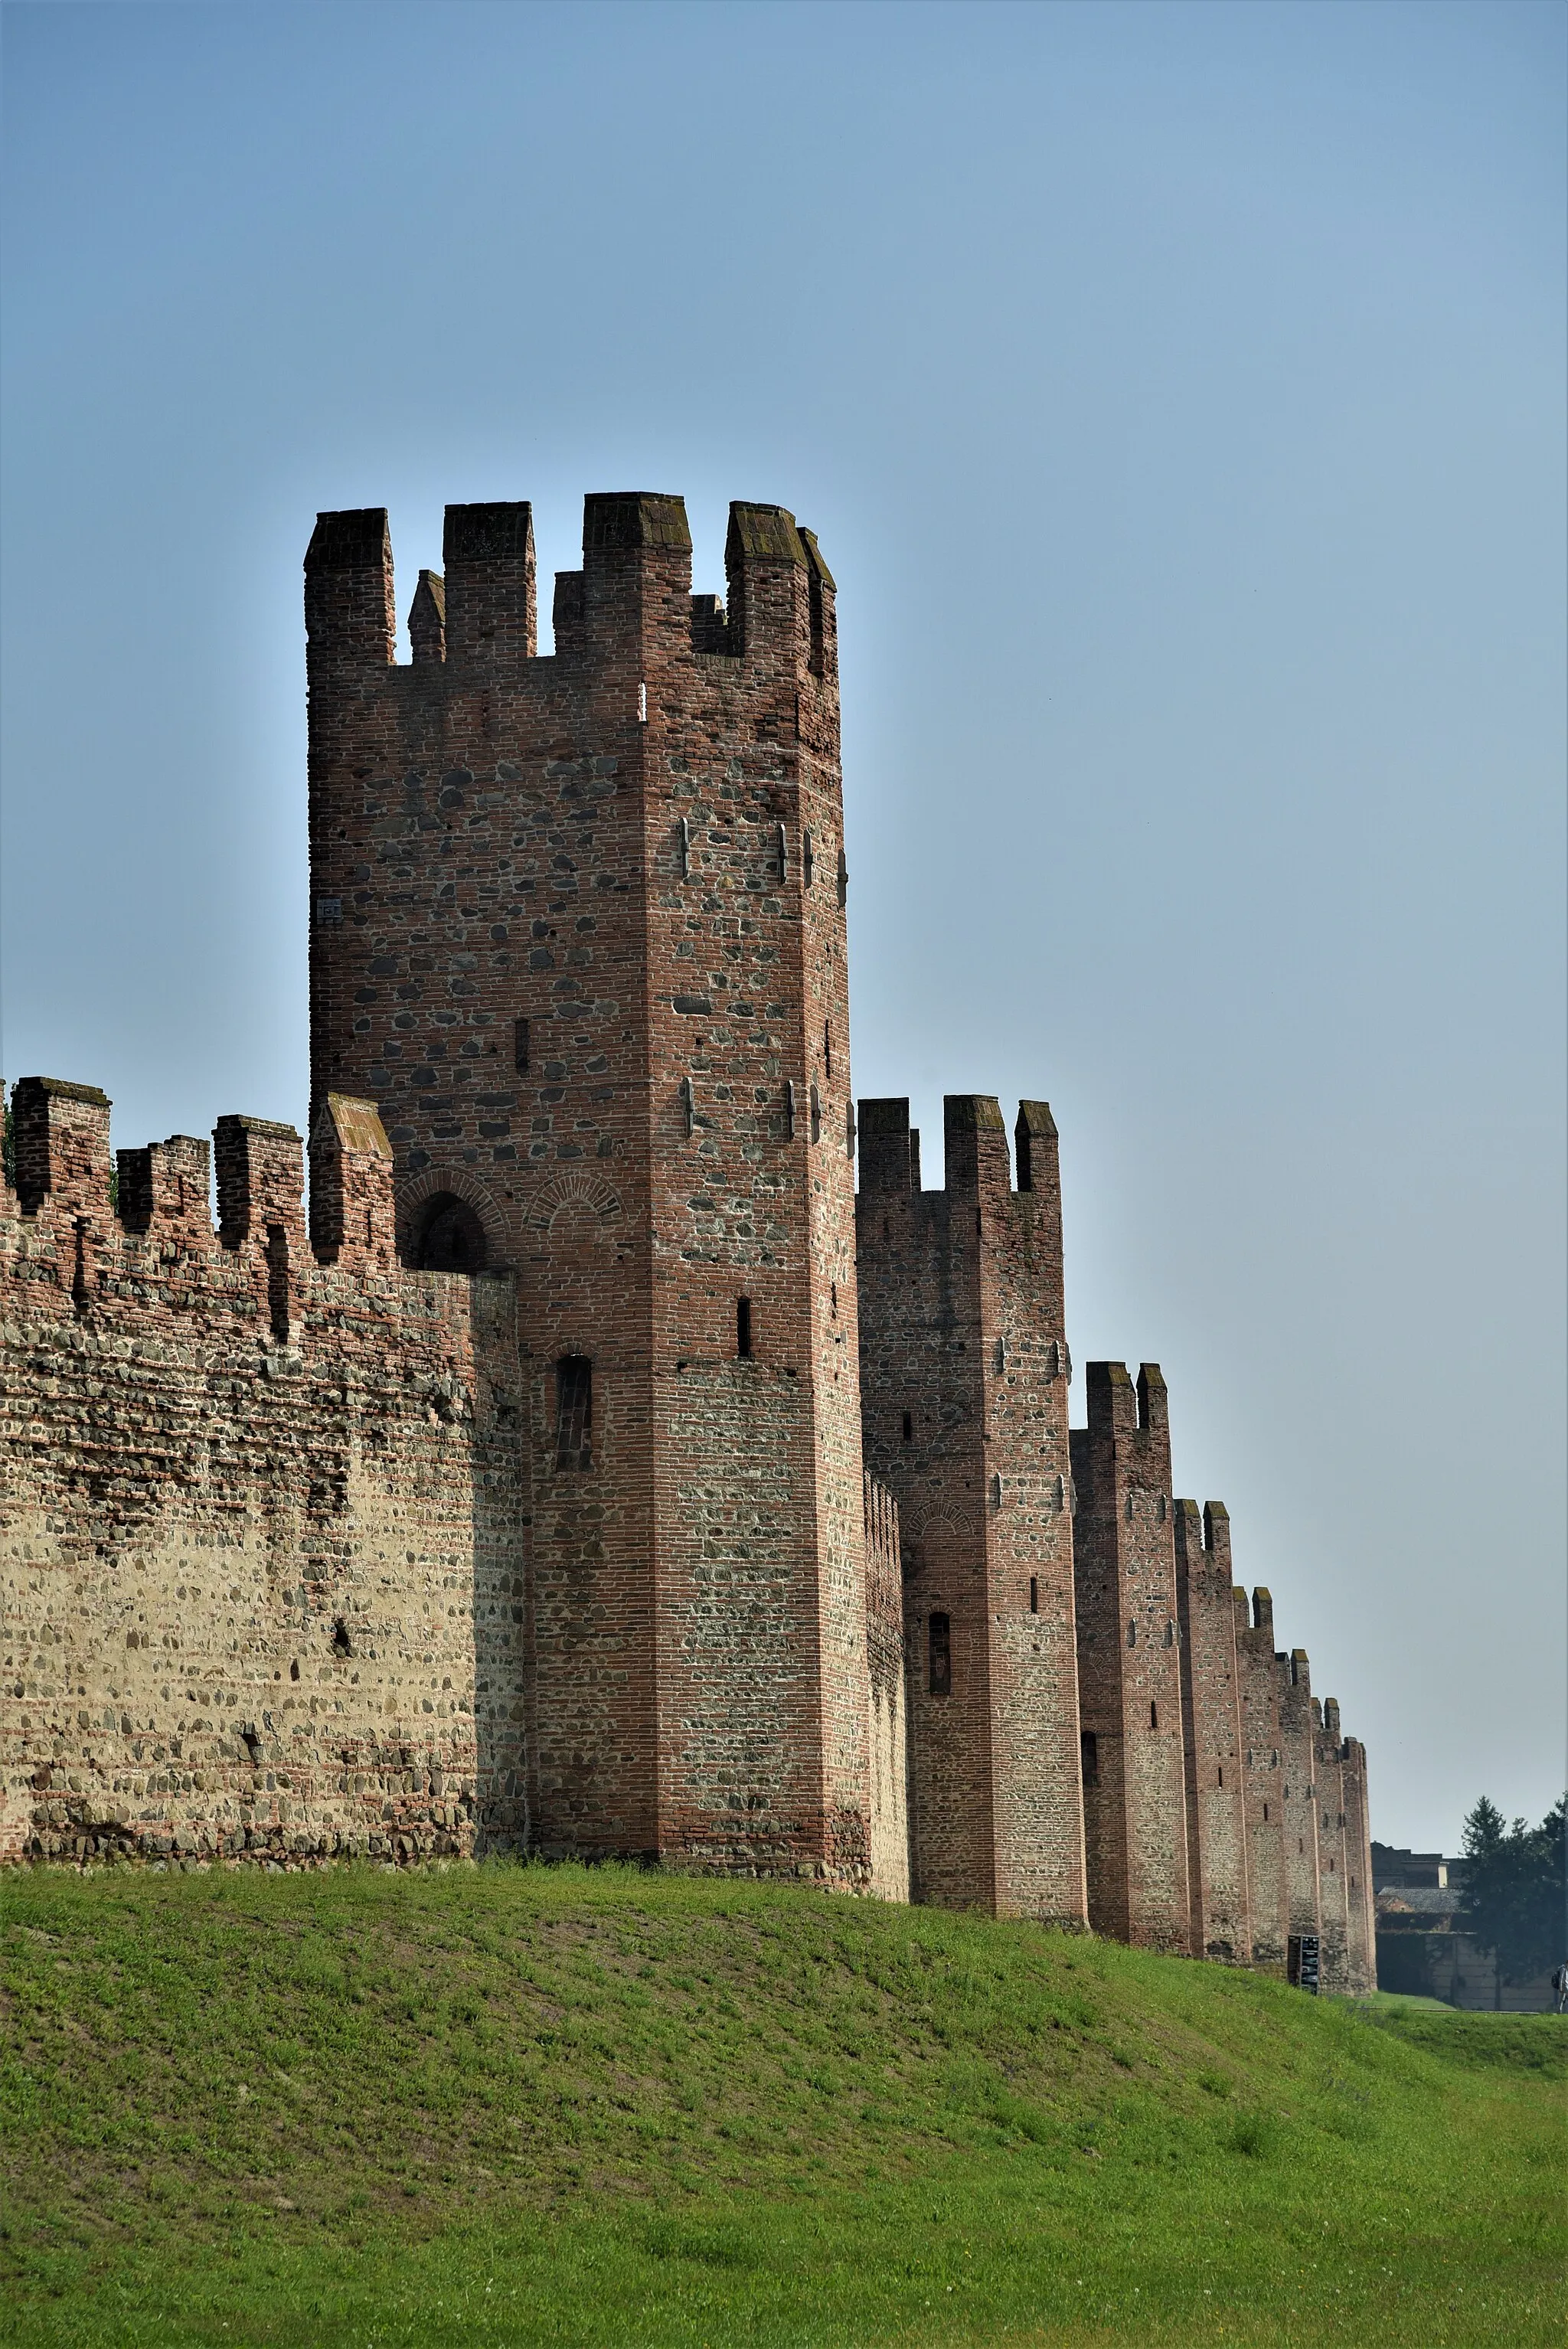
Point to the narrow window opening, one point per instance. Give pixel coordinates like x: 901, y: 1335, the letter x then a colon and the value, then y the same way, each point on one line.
x: 816, y: 1114
x: 843, y: 879
x: 1033, y: 1594
x: 1171, y: 1635
x: 688, y: 1106
x: 826, y: 1049
x: 367, y: 1230
x: 340, y: 1643
x: 520, y: 1045
x: 1153, y: 1716
x: 1088, y: 1756
x: 790, y: 1109
x: 783, y: 854
x: 808, y: 859
x: 278, y: 1281
x: 1221, y: 1773
x: 1133, y: 1635
x: 1265, y: 1810
x: 79, y: 1267
x: 908, y: 1427
x: 941, y: 1655
x: 573, y: 1411
x: 253, y: 1745
x: 684, y: 838
x: 293, y: 1670
x: 833, y: 1299
x: 743, y: 1328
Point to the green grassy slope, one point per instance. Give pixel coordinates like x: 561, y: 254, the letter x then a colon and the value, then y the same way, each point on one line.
x: 597, y: 2106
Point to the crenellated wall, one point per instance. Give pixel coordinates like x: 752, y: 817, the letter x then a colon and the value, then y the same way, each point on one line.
x: 259, y: 1542
x: 587, y: 1468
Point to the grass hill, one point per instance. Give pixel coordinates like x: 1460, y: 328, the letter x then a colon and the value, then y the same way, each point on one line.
x: 584, y: 2106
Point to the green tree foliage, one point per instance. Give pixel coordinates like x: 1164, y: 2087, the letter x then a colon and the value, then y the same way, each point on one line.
x: 1515, y: 1894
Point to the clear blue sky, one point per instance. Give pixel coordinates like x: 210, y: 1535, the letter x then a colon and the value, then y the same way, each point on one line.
x: 1179, y: 394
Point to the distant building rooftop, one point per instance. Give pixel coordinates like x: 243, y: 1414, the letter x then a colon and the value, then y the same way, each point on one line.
x: 1395, y: 1868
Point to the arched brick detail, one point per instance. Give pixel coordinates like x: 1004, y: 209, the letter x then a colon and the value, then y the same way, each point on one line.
x: 574, y: 1190
x: 416, y: 1191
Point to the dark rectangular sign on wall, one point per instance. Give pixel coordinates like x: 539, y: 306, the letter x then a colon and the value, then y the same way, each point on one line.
x: 1301, y: 1963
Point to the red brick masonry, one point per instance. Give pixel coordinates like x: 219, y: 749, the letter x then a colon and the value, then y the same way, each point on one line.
x: 595, y: 1470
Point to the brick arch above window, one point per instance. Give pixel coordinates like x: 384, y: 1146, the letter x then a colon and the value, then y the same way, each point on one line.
x: 576, y: 1191
x: 416, y: 1193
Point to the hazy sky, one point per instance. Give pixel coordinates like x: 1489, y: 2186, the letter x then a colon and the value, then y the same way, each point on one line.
x: 1178, y: 392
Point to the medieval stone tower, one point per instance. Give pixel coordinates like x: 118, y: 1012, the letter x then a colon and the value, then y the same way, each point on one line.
x: 512, y: 1498
x: 578, y: 930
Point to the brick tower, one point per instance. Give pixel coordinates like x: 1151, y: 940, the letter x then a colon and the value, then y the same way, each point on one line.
x: 1334, y: 1874
x: 1129, y: 1678
x: 1211, y: 1728
x: 1266, y: 1821
x: 964, y: 1383
x: 578, y: 929
x: 1360, y: 1908
x: 1298, y: 1794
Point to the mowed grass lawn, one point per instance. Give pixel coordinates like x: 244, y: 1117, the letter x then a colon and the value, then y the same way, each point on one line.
x: 550, y: 2104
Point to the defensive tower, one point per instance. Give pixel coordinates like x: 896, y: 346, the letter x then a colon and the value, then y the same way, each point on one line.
x: 1129, y: 1674
x: 1265, y: 1817
x: 578, y: 928
x: 1211, y: 1725
x: 964, y: 1381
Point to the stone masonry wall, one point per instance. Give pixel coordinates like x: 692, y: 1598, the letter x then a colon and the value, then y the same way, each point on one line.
x: 889, y: 1740
x: 260, y: 1532
x: 520, y: 1498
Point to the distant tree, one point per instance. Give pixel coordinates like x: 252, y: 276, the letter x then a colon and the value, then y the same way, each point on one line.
x: 1514, y: 1899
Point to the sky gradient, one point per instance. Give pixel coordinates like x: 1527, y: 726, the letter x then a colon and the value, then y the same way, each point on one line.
x: 1178, y: 394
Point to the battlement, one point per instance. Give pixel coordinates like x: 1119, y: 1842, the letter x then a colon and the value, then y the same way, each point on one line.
x: 163, y: 1189
x: 62, y: 1146
x: 1129, y: 1421
x: 479, y: 614
x: 1204, y: 1535
x: 976, y: 1159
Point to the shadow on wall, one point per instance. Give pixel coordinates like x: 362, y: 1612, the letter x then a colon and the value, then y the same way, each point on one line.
x: 503, y: 1631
